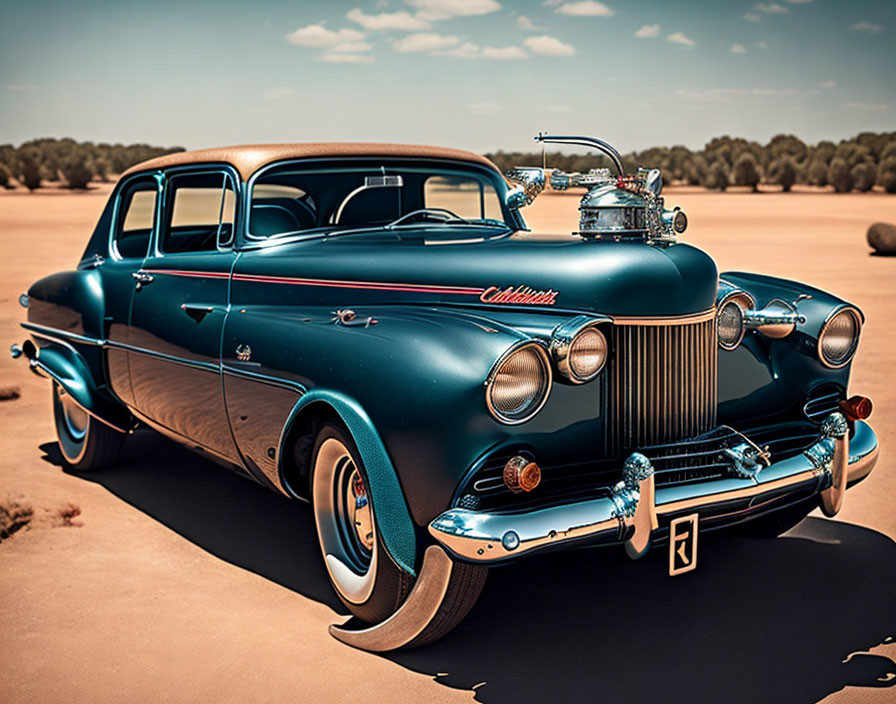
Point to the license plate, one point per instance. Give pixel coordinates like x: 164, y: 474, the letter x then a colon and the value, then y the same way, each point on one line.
x: 683, y: 544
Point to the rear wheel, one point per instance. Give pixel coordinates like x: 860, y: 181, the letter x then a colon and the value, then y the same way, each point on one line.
x: 85, y: 443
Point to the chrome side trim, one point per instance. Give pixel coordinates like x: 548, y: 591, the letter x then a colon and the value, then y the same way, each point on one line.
x: 479, y: 536
x: 690, y: 319
x: 61, y: 336
x: 192, y: 363
x: 263, y: 378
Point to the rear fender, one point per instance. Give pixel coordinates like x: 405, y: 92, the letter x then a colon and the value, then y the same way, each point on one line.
x: 68, y: 369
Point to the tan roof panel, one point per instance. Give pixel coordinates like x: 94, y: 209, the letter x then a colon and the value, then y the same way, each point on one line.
x: 249, y: 158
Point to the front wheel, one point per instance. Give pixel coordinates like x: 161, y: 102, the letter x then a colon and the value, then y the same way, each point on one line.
x: 85, y: 442
x: 363, y: 575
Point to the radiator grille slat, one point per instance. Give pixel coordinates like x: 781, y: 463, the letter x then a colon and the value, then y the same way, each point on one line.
x: 665, y: 379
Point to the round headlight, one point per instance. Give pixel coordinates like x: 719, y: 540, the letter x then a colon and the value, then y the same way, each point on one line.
x: 519, y: 384
x: 730, y: 325
x: 587, y: 354
x: 839, y: 337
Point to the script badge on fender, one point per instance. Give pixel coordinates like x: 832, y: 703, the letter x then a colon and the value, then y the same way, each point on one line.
x: 683, y: 544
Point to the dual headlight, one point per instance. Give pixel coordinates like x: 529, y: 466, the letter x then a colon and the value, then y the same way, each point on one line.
x: 520, y: 381
x: 837, y: 340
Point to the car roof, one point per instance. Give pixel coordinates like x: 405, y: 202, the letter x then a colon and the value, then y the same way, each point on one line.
x: 248, y: 158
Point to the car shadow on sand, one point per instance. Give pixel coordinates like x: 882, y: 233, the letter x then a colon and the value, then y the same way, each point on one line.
x: 760, y: 621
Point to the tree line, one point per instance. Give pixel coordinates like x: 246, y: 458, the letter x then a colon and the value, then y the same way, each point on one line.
x: 74, y: 163
x: 859, y: 163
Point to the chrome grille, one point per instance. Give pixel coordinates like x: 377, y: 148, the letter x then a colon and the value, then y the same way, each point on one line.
x: 664, y: 385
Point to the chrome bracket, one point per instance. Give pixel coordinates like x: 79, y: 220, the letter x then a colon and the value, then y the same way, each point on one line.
x: 836, y: 429
x: 348, y: 318
x: 635, y: 501
x: 747, y: 459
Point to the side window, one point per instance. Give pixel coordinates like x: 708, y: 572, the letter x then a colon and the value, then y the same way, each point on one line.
x: 199, y: 213
x: 468, y: 197
x: 136, y: 213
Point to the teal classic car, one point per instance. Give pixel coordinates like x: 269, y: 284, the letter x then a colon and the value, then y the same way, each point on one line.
x: 371, y: 328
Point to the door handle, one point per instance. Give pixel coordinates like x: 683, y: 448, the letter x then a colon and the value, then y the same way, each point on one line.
x: 197, y: 311
x: 142, y: 278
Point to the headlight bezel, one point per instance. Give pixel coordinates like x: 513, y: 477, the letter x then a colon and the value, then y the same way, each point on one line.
x: 859, y: 321
x: 545, y: 390
x: 563, y: 339
x: 745, y: 302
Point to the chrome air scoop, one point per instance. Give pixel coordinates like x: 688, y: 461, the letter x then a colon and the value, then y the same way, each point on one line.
x: 616, y: 206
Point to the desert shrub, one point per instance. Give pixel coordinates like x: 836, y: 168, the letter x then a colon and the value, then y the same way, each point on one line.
x: 817, y: 173
x: 5, y: 176
x: 863, y: 176
x: 30, y: 167
x: 746, y: 171
x: 77, y: 169
x: 101, y: 168
x: 886, y: 174
x: 716, y: 176
x: 839, y: 175
x: 889, y: 150
x: 783, y: 172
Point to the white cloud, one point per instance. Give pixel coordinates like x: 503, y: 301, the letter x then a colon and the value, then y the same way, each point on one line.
x: 738, y: 49
x: 316, y: 35
x: 585, y: 8
x: 549, y: 46
x: 468, y: 50
x: 679, y: 38
x: 485, y: 108
x: 771, y: 9
x: 402, y: 21
x: 647, y: 31
x: 799, y: 2
x: 829, y: 84
x: 503, y: 53
x: 865, y: 106
x: 334, y: 58
x: 750, y: 17
x: 434, y: 10
x: 352, y: 48
x: 867, y: 27
x: 774, y: 91
x: 761, y: 45
x: 424, y: 41
x: 277, y: 93
x: 526, y: 24
x: 712, y: 95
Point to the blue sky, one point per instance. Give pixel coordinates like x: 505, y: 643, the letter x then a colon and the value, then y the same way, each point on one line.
x: 479, y: 74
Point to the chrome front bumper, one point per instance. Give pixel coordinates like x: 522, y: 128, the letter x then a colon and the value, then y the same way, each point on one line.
x: 632, y: 513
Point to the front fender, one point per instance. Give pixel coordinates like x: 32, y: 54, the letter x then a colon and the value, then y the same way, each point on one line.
x: 392, y: 516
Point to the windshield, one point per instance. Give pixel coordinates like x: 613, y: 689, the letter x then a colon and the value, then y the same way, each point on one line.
x: 295, y: 199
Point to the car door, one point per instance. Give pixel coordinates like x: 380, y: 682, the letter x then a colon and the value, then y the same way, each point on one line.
x: 180, y: 301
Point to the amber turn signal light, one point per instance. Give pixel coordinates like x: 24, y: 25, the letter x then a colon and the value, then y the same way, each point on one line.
x: 521, y: 474
x: 857, y: 407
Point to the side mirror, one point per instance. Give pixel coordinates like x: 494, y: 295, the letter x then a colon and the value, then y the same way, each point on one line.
x: 531, y: 183
x: 654, y: 182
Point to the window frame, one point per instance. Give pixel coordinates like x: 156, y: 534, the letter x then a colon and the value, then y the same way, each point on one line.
x: 248, y: 241
x: 115, y: 226
x: 225, y: 170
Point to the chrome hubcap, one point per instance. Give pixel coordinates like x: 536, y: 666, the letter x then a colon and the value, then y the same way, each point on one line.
x: 74, y: 417
x: 345, y: 522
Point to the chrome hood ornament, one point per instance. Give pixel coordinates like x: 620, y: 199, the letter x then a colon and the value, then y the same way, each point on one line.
x: 616, y: 207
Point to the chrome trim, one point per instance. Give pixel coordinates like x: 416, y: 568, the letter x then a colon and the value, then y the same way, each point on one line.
x: 777, y: 320
x: 494, y: 370
x: 860, y: 322
x: 55, y: 334
x: 562, y: 339
x: 530, y: 179
x: 836, y: 428
x: 589, y: 142
x: 263, y: 378
x: 735, y: 299
x: 192, y: 363
x: 688, y: 319
x: 477, y: 535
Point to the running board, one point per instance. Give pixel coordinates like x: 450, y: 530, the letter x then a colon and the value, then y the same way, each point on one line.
x: 412, y: 617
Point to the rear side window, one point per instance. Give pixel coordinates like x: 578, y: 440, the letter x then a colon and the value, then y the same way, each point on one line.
x: 199, y: 214
x: 136, y: 215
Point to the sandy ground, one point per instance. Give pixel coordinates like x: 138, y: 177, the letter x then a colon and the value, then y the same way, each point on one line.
x: 182, y: 582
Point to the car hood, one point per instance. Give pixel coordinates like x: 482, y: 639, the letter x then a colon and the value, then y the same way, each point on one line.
x: 615, y: 278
